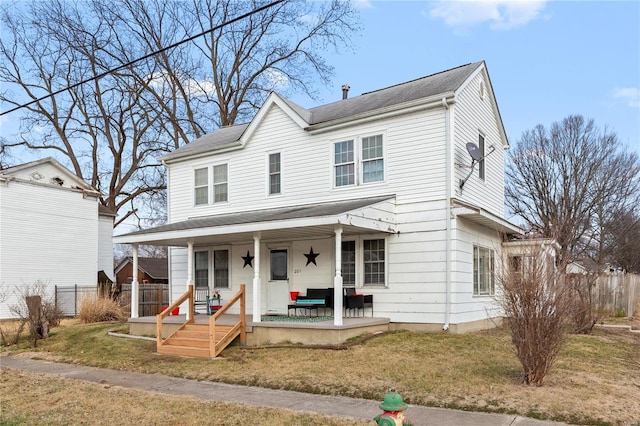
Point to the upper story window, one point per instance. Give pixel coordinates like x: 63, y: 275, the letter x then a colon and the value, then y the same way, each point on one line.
x: 359, y: 161
x: 201, y: 185
x: 220, y: 183
x: 344, y: 163
x: 274, y: 173
x: 481, y: 162
x: 372, y: 159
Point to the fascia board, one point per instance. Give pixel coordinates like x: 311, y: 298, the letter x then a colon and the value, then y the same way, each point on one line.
x: 381, y: 113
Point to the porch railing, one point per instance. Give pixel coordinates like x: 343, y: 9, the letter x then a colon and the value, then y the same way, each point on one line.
x: 240, y: 328
x: 226, y: 334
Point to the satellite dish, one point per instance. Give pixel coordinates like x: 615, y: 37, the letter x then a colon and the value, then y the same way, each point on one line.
x: 474, y: 151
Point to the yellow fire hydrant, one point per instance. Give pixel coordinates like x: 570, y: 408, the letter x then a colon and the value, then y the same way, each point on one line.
x: 392, y: 410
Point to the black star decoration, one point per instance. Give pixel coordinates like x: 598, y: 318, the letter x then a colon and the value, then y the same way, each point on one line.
x: 247, y: 260
x: 311, y: 257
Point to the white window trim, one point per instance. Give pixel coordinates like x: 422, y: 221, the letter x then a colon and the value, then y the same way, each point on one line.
x: 360, y: 260
x: 358, y: 160
x: 193, y: 185
x: 482, y: 164
x: 492, y: 290
x: 213, y: 183
x: 268, y: 174
x: 210, y: 183
x: 286, y: 247
x: 210, y: 260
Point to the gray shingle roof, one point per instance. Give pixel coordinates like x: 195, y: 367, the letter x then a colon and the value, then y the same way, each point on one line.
x: 265, y: 215
x: 435, y: 84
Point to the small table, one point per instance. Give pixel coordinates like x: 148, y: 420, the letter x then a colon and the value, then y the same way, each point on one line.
x: 213, y: 305
x: 307, y: 304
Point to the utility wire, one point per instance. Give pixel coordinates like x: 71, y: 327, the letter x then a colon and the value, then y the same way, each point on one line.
x: 73, y: 86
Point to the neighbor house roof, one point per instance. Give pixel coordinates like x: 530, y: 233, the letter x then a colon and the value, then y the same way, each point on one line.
x: 431, y: 86
x: 155, y: 267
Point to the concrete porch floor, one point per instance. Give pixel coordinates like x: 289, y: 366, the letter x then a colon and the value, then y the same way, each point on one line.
x: 271, y: 332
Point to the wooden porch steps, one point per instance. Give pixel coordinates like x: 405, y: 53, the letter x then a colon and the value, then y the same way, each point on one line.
x: 193, y: 340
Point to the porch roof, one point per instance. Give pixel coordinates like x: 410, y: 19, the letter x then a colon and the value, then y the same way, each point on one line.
x: 374, y: 214
x: 484, y: 218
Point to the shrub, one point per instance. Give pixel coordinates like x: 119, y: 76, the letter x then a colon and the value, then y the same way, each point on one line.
x: 99, y: 309
x: 537, y: 307
x: 37, y: 309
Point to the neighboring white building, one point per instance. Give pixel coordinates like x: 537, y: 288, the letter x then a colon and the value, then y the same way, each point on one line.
x: 51, y: 231
x: 374, y: 192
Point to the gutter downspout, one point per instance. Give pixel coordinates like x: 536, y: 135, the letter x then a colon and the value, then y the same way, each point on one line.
x: 447, y: 137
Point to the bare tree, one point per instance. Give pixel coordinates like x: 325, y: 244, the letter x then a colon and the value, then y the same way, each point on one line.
x: 568, y: 181
x: 112, y: 130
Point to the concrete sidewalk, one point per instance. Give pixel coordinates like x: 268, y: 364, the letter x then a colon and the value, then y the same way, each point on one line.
x: 328, y: 405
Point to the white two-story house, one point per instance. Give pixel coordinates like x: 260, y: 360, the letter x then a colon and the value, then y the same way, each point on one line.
x: 374, y: 192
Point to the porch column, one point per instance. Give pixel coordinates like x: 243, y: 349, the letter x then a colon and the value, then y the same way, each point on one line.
x: 135, y: 296
x: 257, y: 311
x: 337, y: 280
x: 189, y: 272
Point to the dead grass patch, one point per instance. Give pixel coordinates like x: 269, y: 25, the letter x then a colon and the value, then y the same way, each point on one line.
x: 57, y: 401
x: 595, y: 380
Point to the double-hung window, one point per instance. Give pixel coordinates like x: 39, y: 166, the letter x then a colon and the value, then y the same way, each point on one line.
x: 203, y: 260
x: 358, y: 161
x: 274, y: 173
x: 348, y: 265
x: 344, y: 161
x: 483, y: 271
x: 372, y: 159
x: 374, y: 260
x: 220, y: 183
x: 201, y: 186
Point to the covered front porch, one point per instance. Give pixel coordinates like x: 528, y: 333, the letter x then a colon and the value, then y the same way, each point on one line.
x: 280, y: 232
x: 300, y: 330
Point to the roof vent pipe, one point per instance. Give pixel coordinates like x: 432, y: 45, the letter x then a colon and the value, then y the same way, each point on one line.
x: 345, y: 91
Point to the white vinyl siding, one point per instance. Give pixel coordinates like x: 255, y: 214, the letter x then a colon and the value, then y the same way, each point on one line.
x: 48, y: 235
x: 201, y: 186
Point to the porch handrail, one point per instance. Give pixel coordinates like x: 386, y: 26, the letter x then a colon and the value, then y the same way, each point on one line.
x: 239, y: 328
x: 188, y: 295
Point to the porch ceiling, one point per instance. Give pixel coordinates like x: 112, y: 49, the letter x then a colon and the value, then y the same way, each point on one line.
x: 375, y: 214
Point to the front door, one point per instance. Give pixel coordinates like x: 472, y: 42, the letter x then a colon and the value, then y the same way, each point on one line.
x: 278, y: 285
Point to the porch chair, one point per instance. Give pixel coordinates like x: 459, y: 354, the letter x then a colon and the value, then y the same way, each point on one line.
x: 201, y: 301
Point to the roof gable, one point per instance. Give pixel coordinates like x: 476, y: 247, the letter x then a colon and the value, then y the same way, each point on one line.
x: 47, y: 171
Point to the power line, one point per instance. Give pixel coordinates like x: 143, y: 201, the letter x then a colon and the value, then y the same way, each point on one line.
x: 142, y: 58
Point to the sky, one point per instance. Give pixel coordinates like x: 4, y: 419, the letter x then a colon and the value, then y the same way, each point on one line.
x: 546, y: 59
